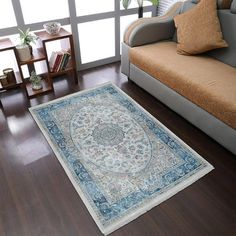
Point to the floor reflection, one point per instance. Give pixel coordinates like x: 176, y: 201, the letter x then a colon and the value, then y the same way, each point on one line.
x: 32, y: 150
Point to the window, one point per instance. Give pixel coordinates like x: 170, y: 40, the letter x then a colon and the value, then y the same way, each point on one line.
x: 93, y: 6
x: 165, y: 5
x: 97, y: 39
x: 7, y: 60
x: 7, y: 13
x: 44, y: 10
x: 97, y: 25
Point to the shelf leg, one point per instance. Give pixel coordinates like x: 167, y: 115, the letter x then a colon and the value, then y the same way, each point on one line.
x: 75, y: 74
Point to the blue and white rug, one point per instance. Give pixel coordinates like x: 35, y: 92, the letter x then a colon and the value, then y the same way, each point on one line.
x: 120, y: 159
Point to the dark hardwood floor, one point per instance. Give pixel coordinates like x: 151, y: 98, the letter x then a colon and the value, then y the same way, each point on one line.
x: 37, y: 198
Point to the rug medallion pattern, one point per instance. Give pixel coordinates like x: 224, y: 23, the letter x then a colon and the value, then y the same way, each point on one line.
x: 120, y: 157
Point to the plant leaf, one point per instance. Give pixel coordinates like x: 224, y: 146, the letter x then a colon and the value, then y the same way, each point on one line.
x: 154, y: 2
x: 126, y: 3
x: 21, y: 33
x: 26, y: 37
x: 140, y: 3
x: 27, y: 31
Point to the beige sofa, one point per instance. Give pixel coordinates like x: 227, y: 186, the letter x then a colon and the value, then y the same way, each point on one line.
x: 201, y: 88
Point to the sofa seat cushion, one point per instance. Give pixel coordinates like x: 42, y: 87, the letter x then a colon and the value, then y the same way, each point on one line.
x: 203, y: 80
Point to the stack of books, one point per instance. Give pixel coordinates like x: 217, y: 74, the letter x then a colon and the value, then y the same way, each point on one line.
x: 59, y: 60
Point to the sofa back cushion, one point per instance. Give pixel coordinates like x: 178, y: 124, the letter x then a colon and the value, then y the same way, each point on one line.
x: 228, y: 27
x: 233, y: 7
x: 221, y: 4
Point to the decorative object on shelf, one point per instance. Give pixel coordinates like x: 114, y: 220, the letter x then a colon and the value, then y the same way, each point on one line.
x: 126, y: 4
x: 36, y: 81
x: 23, y: 52
x: 14, y: 80
x: 52, y: 28
x: 27, y: 38
x: 3, y: 80
x: 9, y: 72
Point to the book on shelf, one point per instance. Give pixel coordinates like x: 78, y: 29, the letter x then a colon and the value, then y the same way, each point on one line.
x: 64, y: 61
x: 59, y: 60
x: 52, y: 59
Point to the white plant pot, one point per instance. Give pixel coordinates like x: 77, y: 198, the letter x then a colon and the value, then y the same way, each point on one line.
x: 23, y: 52
x: 37, y: 86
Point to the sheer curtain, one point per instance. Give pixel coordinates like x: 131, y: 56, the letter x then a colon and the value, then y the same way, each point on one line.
x: 164, y: 5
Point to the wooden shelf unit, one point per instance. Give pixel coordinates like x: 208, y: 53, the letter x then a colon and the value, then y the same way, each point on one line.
x: 40, y: 54
x: 6, y: 45
x: 11, y: 86
x: 67, y: 44
x: 47, y: 87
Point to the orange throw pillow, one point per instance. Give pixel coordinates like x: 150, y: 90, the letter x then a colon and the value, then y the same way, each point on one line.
x: 198, y: 30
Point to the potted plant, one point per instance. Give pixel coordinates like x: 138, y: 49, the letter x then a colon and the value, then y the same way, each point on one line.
x: 24, y: 48
x: 36, y: 81
x: 126, y: 4
x: 27, y: 38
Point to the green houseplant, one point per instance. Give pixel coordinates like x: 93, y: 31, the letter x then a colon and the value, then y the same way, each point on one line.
x: 35, y: 80
x: 126, y: 4
x: 26, y: 38
x: 24, y: 49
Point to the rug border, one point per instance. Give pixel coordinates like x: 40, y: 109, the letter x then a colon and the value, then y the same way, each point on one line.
x: 125, y: 220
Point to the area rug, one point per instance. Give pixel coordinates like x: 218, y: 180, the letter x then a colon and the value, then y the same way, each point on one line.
x: 120, y: 159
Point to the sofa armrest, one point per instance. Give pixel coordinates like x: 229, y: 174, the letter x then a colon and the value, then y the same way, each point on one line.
x: 150, y: 30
